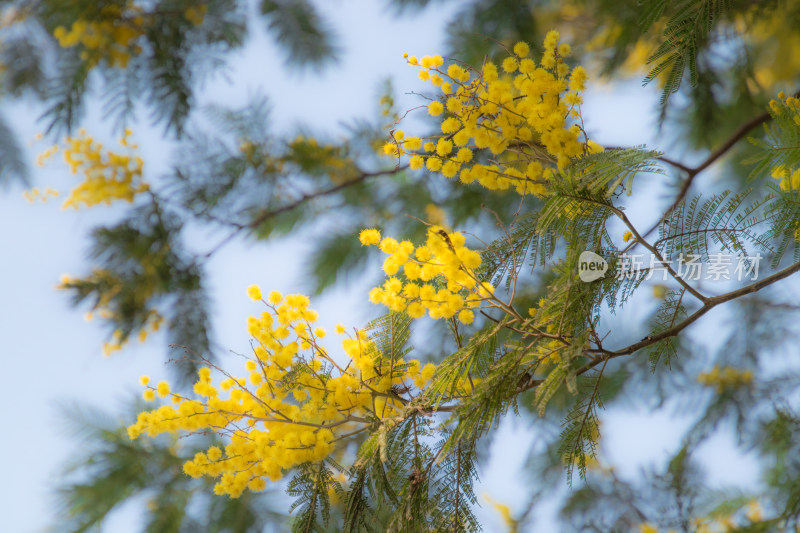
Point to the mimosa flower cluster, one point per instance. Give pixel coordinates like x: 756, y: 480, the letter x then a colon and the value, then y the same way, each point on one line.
x: 293, y: 402
x: 443, y: 261
x: 111, y: 39
x: 526, y: 115
x: 108, y: 176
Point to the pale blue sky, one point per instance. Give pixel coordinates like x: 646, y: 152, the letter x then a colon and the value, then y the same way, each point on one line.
x: 52, y: 356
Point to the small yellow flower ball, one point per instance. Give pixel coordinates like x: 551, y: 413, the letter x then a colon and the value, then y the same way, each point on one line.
x: 163, y: 389
x: 369, y: 237
x: 254, y: 293
x: 521, y: 49
x: 435, y: 108
x: 510, y: 64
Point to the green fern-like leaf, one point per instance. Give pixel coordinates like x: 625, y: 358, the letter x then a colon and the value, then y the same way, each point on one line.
x: 297, y: 24
x: 310, y: 487
x: 780, y: 146
x: 724, y: 220
x: 686, y: 34
x: 670, y: 312
x: 12, y: 165
x: 580, y: 428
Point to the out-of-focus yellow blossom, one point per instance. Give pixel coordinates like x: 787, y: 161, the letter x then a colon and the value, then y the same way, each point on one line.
x: 526, y: 121
x: 111, y: 39
x: 436, y: 215
x: 754, y: 513
x: 724, y: 378
x: 108, y: 176
x: 254, y: 292
x: 196, y: 14
x: 505, y: 512
x: 647, y: 527
x: 41, y: 195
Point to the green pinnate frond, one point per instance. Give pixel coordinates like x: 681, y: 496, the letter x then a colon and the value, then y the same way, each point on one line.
x: 453, y: 489
x: 784, y: 212
x: 580, y: 427
x: 298, y: 26
x: 603, y: 173
x: 335, y: 257
x: 474, y: 358
x: 358, y: 513
x: 309, y: 487
x: 723, y: 220
x: 12, y: 164
x: 686, y: 34
x: 671, y: 311
x: 780, y: 146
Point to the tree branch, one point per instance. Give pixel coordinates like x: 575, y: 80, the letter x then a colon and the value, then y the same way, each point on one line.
x: 692, y: 172
x: 710, y: 302
x: 266, y: 215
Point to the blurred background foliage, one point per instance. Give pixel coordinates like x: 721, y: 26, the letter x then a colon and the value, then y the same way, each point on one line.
x: 717, y: 62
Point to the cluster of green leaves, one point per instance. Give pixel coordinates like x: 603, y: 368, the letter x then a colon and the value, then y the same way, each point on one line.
x: 111, y: 470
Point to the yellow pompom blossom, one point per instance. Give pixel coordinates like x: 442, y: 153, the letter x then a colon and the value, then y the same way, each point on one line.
x: 725, y: 378
x: 254, y: 292
x: 369, y: 237
x: 293, y: 403
x: 443, y: 258
x: 108, y: 176
x: 527, y: 121
x: 163, y: 389
x: 627, y: 236
x: 647, y: 527
x: 111, y: 39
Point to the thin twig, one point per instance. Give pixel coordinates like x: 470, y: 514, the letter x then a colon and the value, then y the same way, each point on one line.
x: 263, y: 217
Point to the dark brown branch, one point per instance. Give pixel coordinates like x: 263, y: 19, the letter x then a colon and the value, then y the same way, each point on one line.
x: 692, y: 172
x: 263, y: 217
x: 710, y: 302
